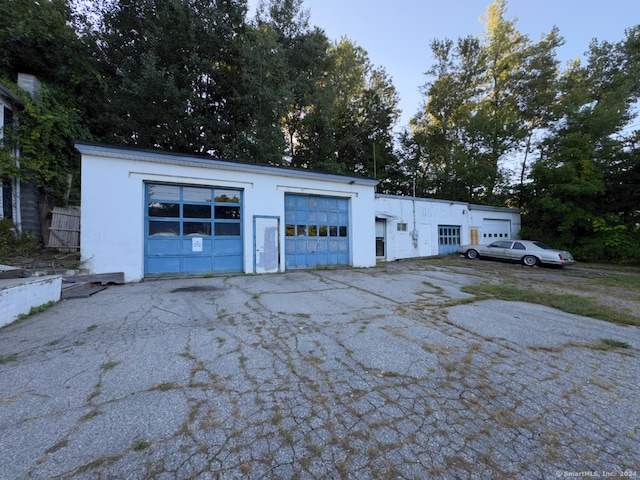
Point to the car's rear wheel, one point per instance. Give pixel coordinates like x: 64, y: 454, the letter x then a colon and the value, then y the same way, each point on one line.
x: 471, y: 254
x: 529, y: 261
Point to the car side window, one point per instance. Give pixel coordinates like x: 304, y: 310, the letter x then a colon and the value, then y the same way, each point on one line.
x: 519, y: 246
x: 501, y: 244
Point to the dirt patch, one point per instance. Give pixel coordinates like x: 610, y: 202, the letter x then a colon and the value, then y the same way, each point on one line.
x: 45, y: 261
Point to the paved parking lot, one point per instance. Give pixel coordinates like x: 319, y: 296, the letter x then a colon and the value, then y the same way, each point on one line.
x: 390, y: 372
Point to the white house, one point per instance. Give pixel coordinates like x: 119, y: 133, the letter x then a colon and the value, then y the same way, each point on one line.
x: 409, y: 227
x: 19, y: 200
x: 151, y: 213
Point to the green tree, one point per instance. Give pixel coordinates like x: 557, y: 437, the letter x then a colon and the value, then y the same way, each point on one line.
x: 171, y: 70
x: 485, y: 99
x: 578, y: 184
x: 38, y: 38
x: 350, y: 131
x: 46, y: 130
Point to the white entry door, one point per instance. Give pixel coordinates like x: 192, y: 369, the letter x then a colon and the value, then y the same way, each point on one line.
x: 267, y: 244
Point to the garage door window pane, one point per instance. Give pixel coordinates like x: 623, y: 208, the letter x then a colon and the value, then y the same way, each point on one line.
x: 164, y: 192
x: 290, y: 230
x: 343, y: 231
x: 227, y: 213
x: 227, y: 229
x: 164, y: 229
x: 194, y: 194
x: 197, y: 228
x: 226, y: 196
x: 158, y: 209
x: 313, y: 231
x: 197, y: 211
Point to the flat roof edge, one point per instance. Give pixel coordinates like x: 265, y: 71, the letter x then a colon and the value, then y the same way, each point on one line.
x: 157, y: 156
x: 470, y: 206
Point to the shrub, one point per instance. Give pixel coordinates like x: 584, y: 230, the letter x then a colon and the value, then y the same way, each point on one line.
x: 13, y: 243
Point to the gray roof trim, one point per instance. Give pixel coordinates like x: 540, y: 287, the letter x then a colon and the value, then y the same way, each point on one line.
x: 5, y: 92
x: 470, y: 206
x: 420, y: 199
x: 489, y: 208
x: 87, y: 148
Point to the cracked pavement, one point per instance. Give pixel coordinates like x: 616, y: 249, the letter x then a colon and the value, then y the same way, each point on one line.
x: 389, y: 372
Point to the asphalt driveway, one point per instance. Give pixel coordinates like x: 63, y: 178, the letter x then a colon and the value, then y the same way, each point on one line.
x: 389, y: 372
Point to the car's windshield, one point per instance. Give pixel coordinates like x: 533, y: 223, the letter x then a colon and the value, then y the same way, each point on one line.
x: 542, y: 245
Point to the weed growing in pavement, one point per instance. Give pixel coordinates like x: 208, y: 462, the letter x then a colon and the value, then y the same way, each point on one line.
x: 163, y: 387
x: 109, y: 365
x: 292, y: 367
x: 608, y: 343
x: 34, y: 310
x: 141, y: 444
x: 8, y: 358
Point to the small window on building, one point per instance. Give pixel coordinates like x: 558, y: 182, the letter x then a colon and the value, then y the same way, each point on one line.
x: 402, y: 227
x: 343, y: 231
x: 301, y: 231
x: 313, y: 231
x: 333, y: 231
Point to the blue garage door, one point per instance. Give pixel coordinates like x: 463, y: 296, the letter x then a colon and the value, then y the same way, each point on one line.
x: 192, y: 230
x: 448, y: 239
x: 316, y: 231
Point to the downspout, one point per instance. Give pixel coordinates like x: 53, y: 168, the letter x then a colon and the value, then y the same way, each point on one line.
x: 414, y: 233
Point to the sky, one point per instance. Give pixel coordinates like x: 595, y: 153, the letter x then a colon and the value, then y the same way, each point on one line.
x: 397, y: 33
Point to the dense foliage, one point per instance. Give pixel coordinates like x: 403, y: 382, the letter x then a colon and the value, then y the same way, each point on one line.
x: 502, y: 123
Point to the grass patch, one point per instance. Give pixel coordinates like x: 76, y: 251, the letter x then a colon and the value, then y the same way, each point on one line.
x: 609, y: 343
x: 8, y: 358
x: 574, y: 304
x: 34, y: 310
x: 632, y: 282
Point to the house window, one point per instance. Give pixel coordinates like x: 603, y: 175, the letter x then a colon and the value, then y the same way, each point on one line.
x: 402, y: 227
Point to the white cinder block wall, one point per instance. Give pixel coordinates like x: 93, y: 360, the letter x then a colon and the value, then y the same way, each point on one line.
x: 113, y: 209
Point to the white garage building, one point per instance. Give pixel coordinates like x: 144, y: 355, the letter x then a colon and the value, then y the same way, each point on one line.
x: 152, y: 213
x: 148, y: 213
x: 409, y: 227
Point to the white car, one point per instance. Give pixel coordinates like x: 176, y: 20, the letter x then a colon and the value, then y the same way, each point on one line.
x: 527, y: 252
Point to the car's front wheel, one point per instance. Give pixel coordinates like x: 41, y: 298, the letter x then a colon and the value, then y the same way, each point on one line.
x: 529, y: 261
x: 471, y: 254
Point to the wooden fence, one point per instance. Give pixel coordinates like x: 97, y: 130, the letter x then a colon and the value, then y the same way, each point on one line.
x: 64, y: 233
